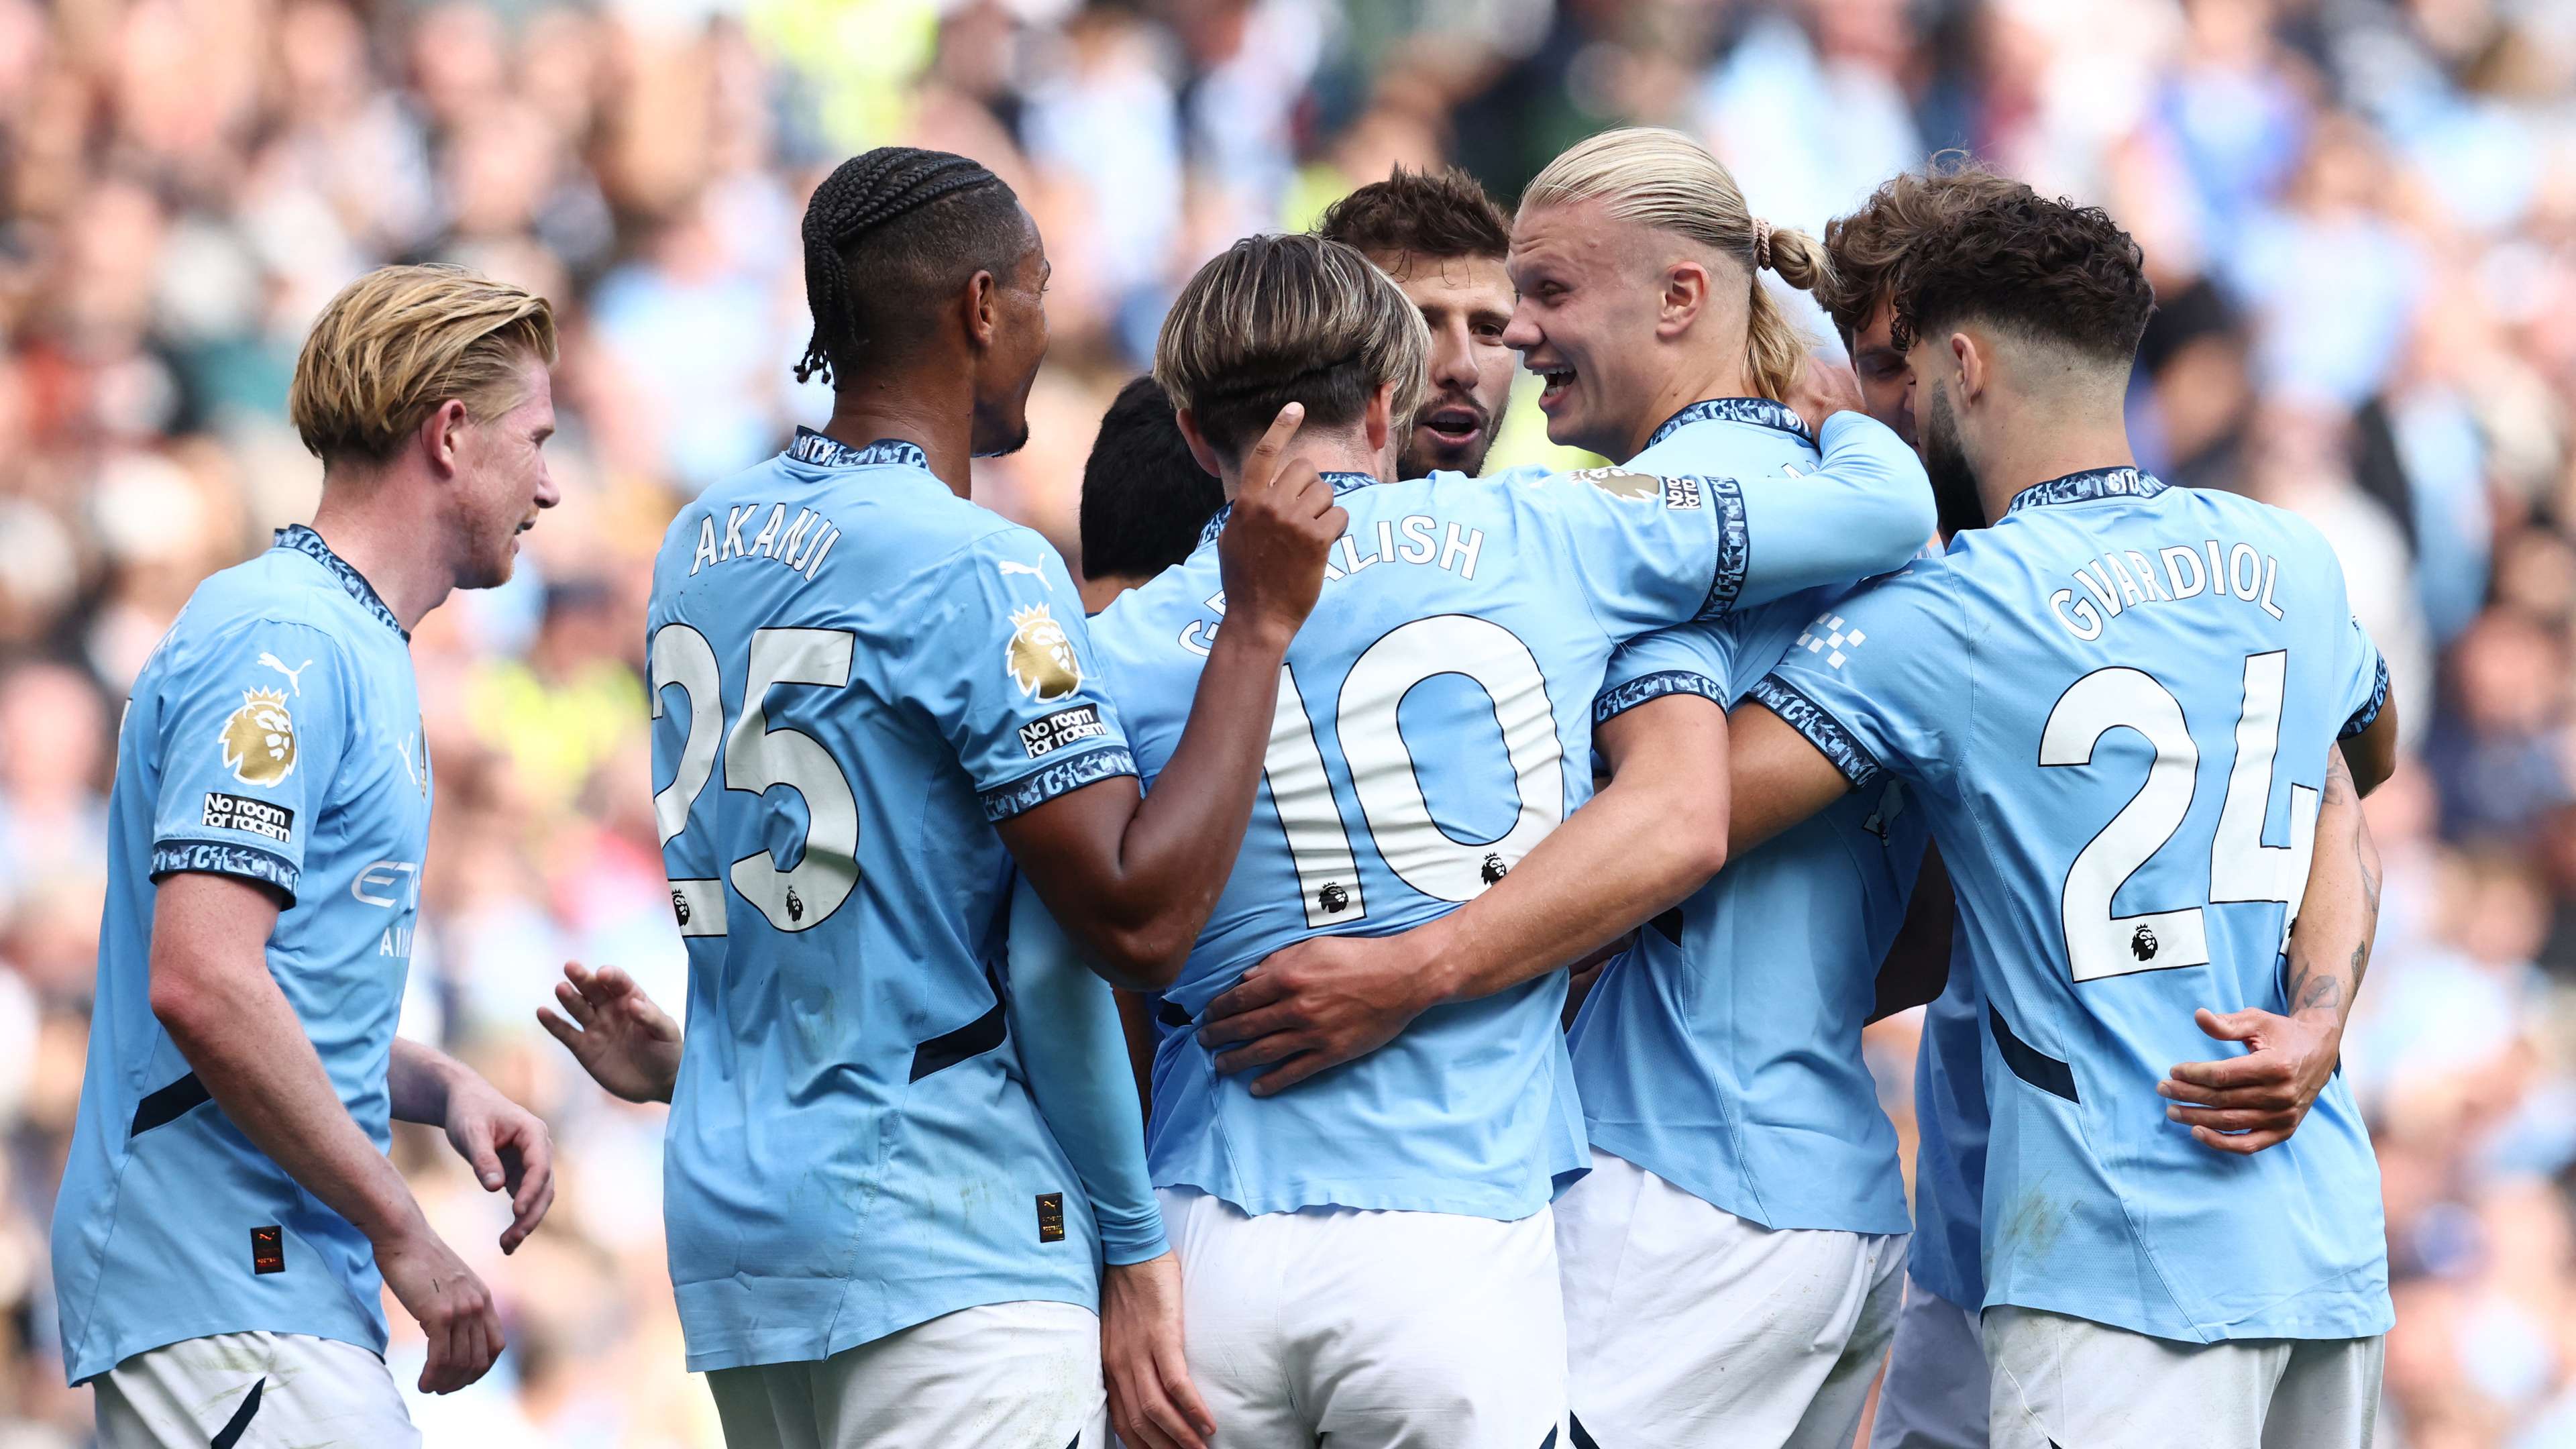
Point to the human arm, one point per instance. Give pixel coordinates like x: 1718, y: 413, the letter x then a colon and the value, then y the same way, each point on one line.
x: 212, y: 992
x: 1132, y: 877
x: 1866, y: 509
x: 629, y: 1045
x: 2243, y: 1104
x: 1650, y: 838
x: 1917, y: 966
x: 1074, y: 1047
x: 506, y: 1144
x: 2370, y: 753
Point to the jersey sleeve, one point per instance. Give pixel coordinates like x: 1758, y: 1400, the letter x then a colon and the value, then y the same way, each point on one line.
x: 2363, y: 671
x: 1006, y: 669
x: 250, y: 731
x: 1653, y: 550
x: 1865, y: 510
x: 1076, y: 1056
x: 1878, y: 681
x: 1693, y: 658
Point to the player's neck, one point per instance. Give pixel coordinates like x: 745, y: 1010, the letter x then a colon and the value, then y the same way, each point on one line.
x: 377, y: 526
x: 1347, y: 453
x: 1698, y: 379
x: 864, y: 413
x: 2067, y: 442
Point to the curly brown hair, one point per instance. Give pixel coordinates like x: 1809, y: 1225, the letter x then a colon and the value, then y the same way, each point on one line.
x: 1426, y: 215
x: 1866, y: 245
x: 2048, y: 270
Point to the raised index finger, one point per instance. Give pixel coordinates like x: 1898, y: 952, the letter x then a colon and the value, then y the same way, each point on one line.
x: 1261, y: 465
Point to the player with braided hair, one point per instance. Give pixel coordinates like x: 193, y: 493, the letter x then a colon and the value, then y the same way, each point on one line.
x: 888, y: 1203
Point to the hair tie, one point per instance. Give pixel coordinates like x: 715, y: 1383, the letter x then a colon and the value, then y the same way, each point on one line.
x: 1761, y: 244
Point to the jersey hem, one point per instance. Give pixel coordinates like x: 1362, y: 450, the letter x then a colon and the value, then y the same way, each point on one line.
x: 1840, y: 747
x: 2345, y: 1321
x: 1028, y: 792
x: 1501, y: 1207
x: 759, y: 1349
x: 86, y: 1368
x: 1620, y: 699
x: 1608, y: 1138
x: 176, y: 856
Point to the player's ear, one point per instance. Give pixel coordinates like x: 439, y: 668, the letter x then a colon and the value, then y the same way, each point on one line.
x: 1379, y: 419
x: 1198, y: 442
x: 1972, y: 363
x: 442, y: 434
x: 983, y: 303
x: 1686, y: 291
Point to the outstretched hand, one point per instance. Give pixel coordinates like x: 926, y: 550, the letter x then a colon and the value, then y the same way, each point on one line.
x: 630, y: 1046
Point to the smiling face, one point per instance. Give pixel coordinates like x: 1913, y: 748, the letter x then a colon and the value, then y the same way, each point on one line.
x: 1586, y: 323
x: 1467, y: 304
x: 501, y: 482
x: 1007, y: 367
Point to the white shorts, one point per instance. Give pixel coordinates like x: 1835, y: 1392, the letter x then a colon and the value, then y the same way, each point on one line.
x: 2069, y: 1382
x: 1003, y: 1376
x: 1934, y: 1396
x: 1370, y: 1330
x: 252, y: 1391
x: 1690, y: 1326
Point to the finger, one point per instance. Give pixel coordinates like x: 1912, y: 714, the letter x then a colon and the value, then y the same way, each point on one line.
x: 445, y: 1348
x: 1276, y: 1047
x: 1172, y: 1367
x: 2271, y: 1094
x: 2243, y: 1144
x: 558, y: 1028
x: 1160, y: 1420
x: 2252, y: 1069
x: 1297, y: 1069
x: 2234, y: 1026
x: 536, y: 1191
x: 1260, y: 466
x: 1335, y: 522
x: 1252, y: 1024
x: 2228, y: 1120
x: 1244, y: 995
x: 577, y: 1005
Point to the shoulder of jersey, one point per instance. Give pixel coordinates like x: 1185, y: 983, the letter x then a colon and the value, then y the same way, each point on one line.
x: 277, y: 585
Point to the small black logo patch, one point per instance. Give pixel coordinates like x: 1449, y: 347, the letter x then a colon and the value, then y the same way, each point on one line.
x: 268, y: 1250
x: 795, y: 905
x: 680, y: 907
x: 1064, y: 727
x: 2143, y: 945
x: 1333, y: 898
x: 1495, y: 870
x: 1050, y: 1217
x: 257, y: 817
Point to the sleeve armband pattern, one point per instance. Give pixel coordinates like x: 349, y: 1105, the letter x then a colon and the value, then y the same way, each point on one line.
x: 1734, y: 545
x: 1821, y: 729
x: 216, y: 857
x: 2368, y: 715
x: 1030, y: 791
x: 1619, y: 699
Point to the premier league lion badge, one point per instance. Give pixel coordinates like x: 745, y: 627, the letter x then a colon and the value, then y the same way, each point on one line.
x: 259, y: 739
x: 1040, y: 657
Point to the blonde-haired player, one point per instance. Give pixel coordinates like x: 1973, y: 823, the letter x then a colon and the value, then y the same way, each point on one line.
x: 228, y: 1219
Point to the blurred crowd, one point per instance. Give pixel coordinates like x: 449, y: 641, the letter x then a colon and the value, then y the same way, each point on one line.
x: 2360, y: 216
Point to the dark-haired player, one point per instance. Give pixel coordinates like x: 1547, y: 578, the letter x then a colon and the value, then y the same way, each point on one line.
x: 2119, y: 706
x: 1145, y: 500
x: 872, y: 699
x: 1443, y: 240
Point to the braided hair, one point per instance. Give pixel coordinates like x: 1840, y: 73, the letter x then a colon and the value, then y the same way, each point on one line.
x: 912, y: 224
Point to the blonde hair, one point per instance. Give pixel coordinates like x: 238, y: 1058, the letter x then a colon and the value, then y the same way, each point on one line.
x: 1666, y: 180
x: 1294, y: 318
x: 400, y: 341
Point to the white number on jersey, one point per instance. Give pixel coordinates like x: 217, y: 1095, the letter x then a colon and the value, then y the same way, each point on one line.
x: 757, y: 757
x: 2242, y: 867
x: 1392, y: 808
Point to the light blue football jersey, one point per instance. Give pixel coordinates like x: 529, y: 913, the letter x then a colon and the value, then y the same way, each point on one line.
x: 855, y: 674
x: 1944, y: 1254
x: 274, y: 735
x: 2115, y: 706
x: 1434, y: 723
x: 1722, y: 1052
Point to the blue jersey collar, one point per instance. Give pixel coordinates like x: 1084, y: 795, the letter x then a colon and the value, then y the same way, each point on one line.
x: 2086, y: 486
x: 1342, y: 483
x: 305, y: 541
x: 1761, y: 412
x: 813, y: 447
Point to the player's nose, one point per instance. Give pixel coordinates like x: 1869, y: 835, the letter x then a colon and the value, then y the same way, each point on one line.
x: 1522, y: 333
